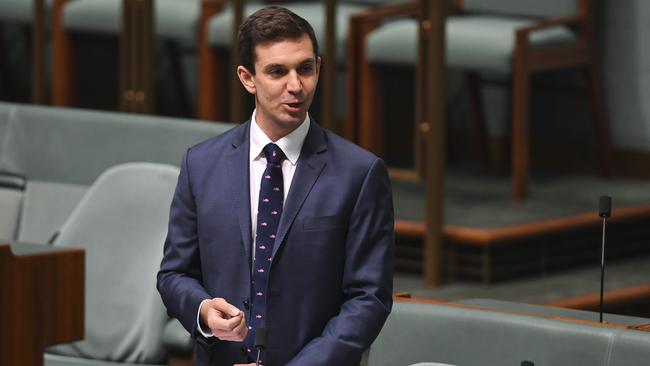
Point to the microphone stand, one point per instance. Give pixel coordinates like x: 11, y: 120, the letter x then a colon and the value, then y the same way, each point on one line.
x: 604, y: 211
x: 260, y: 343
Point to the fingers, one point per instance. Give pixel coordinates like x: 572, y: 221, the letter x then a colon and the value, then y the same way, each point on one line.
x: 241, y: 364
x: 231, y: 329
x: 225, y: 307
x: 226, y: 321
x: 241, y: 330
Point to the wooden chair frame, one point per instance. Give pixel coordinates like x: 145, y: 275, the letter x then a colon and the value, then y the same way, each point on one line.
x: 136, y: 59
x: 364, y: 84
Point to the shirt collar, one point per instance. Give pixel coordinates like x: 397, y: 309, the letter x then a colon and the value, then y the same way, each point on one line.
x: 290, y: 144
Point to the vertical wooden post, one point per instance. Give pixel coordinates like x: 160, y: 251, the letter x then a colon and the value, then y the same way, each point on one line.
x: 432, y: 59
x: 328, y: 113
x: 38, y: 53
x: 520, y: 134
x: 136, y: 56
x: 210, y: 105
x: 146, y: 47
x: 125, y: 96
x: 64, y: 65
x: 236, y: 89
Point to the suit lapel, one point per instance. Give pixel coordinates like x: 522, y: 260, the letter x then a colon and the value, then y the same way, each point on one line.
x: 238, y: 170
x: 310, y: 165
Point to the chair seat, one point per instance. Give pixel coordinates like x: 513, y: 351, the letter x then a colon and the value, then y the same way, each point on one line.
x: 174, y: 19
x: 220, y: 26
x: 19, y: 11
x: 476, y: 42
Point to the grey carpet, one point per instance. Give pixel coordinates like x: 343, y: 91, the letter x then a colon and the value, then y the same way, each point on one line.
x: 536, y: 290
x: 482, y: 200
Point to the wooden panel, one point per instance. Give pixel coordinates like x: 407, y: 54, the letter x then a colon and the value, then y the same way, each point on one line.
x: 41, y: 301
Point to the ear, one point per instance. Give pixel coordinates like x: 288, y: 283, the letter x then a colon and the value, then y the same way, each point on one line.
x: 247, y: 79
x: 318, y: 62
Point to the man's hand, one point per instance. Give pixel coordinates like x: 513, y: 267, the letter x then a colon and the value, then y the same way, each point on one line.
x: 242, y: 364
x: 224, y: 320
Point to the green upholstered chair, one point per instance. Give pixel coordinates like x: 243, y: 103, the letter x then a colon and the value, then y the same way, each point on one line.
x: 214, y: 70
x: 121, y: 223
x: 505, y: 38
x: 175, y: 24
x: 50, y: 156
x: 452, y: 333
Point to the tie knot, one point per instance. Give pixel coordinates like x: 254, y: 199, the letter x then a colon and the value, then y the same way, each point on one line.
x: 273, y: 153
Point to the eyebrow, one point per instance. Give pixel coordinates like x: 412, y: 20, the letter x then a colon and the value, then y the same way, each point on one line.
x: 306, y: 60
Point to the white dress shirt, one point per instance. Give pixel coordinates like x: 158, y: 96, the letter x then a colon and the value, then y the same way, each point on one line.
x: 290, y: 145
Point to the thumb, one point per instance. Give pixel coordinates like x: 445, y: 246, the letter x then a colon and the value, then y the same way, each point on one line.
x: 225, y: 307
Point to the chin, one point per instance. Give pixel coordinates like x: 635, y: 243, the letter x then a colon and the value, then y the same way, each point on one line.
x: 294, y: 120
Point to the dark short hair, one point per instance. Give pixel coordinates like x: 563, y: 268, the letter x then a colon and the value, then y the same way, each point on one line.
x: 268, y: 25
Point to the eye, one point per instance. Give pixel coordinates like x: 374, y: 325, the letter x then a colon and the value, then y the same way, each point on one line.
x: 306, y: 68
x: 276, y: 72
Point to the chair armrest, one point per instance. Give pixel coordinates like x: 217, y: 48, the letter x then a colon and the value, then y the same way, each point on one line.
x: 382, y: 13
x: 571, y: 21
x: 176, y: 340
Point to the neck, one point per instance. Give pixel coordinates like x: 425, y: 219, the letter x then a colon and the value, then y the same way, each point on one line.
x: 275, y: 131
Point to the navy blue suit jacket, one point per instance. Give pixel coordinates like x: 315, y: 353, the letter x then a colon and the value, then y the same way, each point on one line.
x: 330, y: 281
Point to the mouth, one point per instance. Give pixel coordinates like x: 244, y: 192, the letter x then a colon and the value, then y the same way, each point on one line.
x: 294, y: 107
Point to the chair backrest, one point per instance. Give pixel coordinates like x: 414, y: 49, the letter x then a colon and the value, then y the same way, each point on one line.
x: 74, y: 146
x: 532, y: 8
x: 422, y: 332
x: 121, y: 223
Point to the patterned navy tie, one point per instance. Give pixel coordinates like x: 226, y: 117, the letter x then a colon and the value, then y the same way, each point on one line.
x: 269, y: 210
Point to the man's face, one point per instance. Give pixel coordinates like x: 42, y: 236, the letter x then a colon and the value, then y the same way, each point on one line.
x: 286, y: 75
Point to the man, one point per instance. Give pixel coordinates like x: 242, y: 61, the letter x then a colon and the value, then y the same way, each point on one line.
x: 278, y: 224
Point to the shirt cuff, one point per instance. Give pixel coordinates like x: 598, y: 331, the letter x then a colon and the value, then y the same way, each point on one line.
x: 206, y: 334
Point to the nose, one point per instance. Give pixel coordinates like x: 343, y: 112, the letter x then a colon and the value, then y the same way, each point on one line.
x: 294, y: 84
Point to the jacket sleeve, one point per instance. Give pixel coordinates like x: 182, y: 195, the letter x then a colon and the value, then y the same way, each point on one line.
x: 367, y: 279
x: 179, y: 279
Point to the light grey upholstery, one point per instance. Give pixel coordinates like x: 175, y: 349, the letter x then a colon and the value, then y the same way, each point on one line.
x: 523, y: 308
x: 59, y: 152
x: 75, y: 146
x: 630, y: 348
x: 220, y: 26
x: 421, y: 332
x: 58, y: 360
x: 6, y: 109
x: 19, y: 11
x: 173, y: 19
x: 48, y: 158
x: 536, y: 8
x: 121, y: 223
x: 45, y: 207
x: 475, y: 42
x: 10, y: 202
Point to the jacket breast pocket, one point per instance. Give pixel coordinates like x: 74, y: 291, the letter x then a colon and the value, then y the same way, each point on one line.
x: 323, y: 223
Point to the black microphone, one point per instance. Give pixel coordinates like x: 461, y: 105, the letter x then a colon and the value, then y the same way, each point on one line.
x: 604, y: 211
x: 605, y: 206
x: 527, y: 363
x: 260, y: 343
